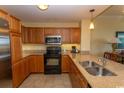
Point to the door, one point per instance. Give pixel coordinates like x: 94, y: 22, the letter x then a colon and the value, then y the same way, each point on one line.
x: 16, y: 47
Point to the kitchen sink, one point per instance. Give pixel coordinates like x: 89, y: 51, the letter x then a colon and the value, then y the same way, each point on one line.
x: 86, y: 64
x: 96, y: 69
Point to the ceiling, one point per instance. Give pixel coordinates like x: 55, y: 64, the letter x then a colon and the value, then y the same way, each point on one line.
x: 55, y: 13
x: 115, y: 10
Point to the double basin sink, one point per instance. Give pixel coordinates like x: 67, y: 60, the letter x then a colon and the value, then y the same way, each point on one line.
x: 96, y: 69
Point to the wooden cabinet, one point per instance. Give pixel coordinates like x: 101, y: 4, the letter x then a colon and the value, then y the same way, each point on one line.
x: 74, y: 77
x: 4, y: 15
x: 15, y: 25
x: 24, y: 34
x: 16, y: 47
x: 20, y: 71
x: 32, y: 35
x: 66, y: 39
x: 52, y: 31
x: 69, y: 35
x: 39, y: 36
x: 77, y: 79
x: 65, y: 63
x: 75, y: 35
x: 36, y: 63
x: 36, y: 35
x: 25, y: 66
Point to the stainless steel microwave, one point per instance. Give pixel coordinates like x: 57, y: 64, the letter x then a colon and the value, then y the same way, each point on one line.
x: 54, y: 39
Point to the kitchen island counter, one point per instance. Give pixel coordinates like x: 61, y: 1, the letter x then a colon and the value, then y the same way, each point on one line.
x: 100, y: 81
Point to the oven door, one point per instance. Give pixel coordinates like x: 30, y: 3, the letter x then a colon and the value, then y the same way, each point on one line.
x: 52, y: 64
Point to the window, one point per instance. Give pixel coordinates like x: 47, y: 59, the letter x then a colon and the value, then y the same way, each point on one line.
x: 120, y: 36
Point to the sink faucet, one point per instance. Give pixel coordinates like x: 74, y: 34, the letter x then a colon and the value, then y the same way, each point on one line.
x: 103, y: 60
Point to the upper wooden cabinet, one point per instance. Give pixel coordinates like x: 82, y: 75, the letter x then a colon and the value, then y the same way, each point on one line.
x: 36, y: 35
x: 75, y: 35
x: 66, y: 35
x: 32, y: 35
x: 4, y: 15
x: 24, y: 34
x: 16, y: 47
x: 52, y: 31
x: 15, y: 25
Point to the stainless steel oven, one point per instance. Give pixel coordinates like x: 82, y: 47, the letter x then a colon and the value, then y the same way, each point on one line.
x: 52, y: 60
x: 52, y: 40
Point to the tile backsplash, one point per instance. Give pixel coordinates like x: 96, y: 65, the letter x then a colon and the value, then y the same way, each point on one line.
x: 33, y: 47
x: 69, y: 46
x: 43, y: 47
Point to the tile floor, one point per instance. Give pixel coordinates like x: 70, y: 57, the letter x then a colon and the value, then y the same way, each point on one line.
x: 47, y: 81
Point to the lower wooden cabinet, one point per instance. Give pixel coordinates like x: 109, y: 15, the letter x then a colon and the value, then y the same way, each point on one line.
x: 65, y: 63
x: 24, y: 67
x: 77, y: 79
x: 36, y: 63
x: 20, y: 71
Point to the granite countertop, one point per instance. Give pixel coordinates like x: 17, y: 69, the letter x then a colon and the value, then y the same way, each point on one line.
x: 38, y: 52
x: 102, y: 81
x: 94, y: 81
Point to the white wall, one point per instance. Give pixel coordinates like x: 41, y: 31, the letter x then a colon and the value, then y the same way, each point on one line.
x: 85, y: 35
x: 105, y: 28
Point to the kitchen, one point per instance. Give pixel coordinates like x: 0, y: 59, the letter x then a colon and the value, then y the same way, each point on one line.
x: 59, y: 47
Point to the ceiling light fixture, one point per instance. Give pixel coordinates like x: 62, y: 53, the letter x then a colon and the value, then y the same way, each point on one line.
x: 91, y: 22
x: 43, y: 7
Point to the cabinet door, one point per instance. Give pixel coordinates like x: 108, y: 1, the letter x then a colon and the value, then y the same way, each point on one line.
x: 52, y: 31
x: 82, y: 81
x: 16, y: 74
x: 74, y: 77
x: 16, y: 47
x: 77, y: 79
x: 75, y: 35
x: 25, y: 34
x: 65, y: 64
x: 26, y: 67
x: 36, y: 64
x: 39, y: 35
x: 20, y: 71
x: 33, y: 35
x: 4, y: 15
x: 15, y: 25
x: 66, y: 35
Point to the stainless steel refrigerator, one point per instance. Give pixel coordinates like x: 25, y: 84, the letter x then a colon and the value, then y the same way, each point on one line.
x: 5, y: 55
